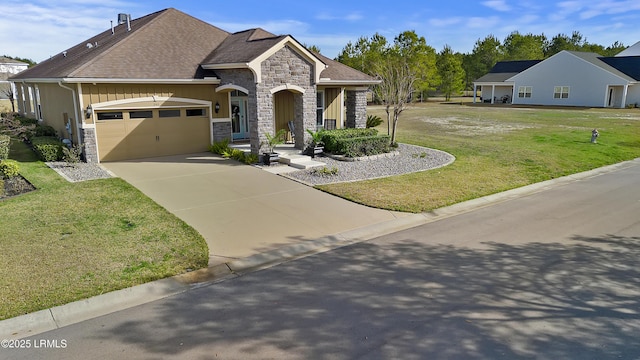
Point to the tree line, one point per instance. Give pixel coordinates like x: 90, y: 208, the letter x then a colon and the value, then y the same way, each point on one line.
x: 450, y: 72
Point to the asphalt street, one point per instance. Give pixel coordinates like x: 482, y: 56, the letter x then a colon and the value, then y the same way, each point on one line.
x: 550, y: 275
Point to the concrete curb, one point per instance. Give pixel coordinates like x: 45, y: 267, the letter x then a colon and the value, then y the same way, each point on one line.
x: 78, y: 311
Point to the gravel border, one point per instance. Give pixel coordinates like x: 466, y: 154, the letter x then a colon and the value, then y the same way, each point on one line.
x: 408, y: 159
x: 81, y: 171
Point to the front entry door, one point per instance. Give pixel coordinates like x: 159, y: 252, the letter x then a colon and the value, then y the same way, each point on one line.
x: 239, y: 121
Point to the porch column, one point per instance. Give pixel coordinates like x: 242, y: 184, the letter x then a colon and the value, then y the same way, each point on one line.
x: 356, y: 108
x: 624, y: 96
x: 493, y: 93
x: 474, y: 93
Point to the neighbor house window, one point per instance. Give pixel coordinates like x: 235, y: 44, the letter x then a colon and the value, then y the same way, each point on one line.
x: 524, y: 91
x: 196, y: 112
x: 561, y: 92
x: 112, y: 115
x: 320, y: 109
x: 169, y: 113
x: 140, y: 114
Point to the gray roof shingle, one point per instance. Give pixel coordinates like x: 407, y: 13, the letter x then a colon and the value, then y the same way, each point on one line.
x: 167, y: 44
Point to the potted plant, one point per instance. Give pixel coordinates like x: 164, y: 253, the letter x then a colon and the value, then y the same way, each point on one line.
x: 317, y: 146
x: 272, y: 141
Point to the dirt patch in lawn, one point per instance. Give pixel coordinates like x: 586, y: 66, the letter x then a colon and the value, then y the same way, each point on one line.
x: 474, y: 127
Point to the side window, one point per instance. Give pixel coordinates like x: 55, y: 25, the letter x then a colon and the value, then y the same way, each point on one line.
x: 196, y: 112
x: 111, y: 115
x: 169, y: 113
x: 141, y: 114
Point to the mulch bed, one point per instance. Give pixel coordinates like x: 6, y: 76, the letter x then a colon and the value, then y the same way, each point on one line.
x: 15, y: 186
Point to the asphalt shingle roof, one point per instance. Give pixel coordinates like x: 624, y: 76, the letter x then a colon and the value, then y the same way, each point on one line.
x: 504, y: 70
x: 167, y: 44
x: 628, y: 65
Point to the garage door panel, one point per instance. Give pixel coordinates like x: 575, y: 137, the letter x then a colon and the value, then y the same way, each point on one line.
x: 111, y: 139
x: 141, y: 138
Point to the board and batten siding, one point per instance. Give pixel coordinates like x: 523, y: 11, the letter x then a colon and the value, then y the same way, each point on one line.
x: 333, y: 105
x: 100, y: 93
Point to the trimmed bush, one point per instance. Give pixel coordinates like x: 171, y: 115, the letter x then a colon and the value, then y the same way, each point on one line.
x: 9, y: 169
x: 5, y: 140
x: 44, y: 130
x: 48, y: 148
x: 330, y: 137
x: 363, y: 146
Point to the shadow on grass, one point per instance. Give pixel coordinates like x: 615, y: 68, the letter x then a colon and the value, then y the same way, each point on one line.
x: 409, y: 300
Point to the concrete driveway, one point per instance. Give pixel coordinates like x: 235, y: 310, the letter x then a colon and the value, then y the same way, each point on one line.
x: 239, y: 209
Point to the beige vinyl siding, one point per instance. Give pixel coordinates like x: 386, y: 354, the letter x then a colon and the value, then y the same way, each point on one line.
x: 333, y: 105
x: 100, y: 93
x: 283, y: 109
x: 55, y: 102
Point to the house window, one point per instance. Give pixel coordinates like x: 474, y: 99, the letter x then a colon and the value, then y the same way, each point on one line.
x: 320, y: 109
x: 524, y: 91
x: 561, y: 92
x: 140, y: 114
x: 38, y: 104
x: 169, y: 113
x: 196, y: 112
x: 112, y: 115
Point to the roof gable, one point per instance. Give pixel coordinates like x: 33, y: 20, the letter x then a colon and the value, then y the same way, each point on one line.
x: 167, y: 44
x: 633, y: 50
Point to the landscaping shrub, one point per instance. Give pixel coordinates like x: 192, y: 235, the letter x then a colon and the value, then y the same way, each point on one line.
x: 373, y: 121
x: 5, y: 140
x: 73, y: 155
x: 330, y: 137
x: 48, y: 148
x: 363, y: 146
x: 9, y: 169
x: 44, y: 130
x: 222, y: 148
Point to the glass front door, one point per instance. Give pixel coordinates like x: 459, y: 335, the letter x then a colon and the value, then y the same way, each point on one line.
x: 239, y: 121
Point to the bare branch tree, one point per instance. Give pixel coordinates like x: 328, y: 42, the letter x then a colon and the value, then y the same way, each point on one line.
x: 396, y: 89
x: 8, y: 92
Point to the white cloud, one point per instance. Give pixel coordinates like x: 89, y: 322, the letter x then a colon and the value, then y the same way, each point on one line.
x: 498, y: 5
x: 354, y: 16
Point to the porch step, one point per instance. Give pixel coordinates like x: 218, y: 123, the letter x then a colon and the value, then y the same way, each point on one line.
x: 299, y: 161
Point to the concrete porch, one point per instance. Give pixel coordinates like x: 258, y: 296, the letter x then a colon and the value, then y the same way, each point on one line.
x: 291, y: 159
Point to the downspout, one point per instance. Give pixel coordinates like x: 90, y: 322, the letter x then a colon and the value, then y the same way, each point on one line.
x: 75, y: 110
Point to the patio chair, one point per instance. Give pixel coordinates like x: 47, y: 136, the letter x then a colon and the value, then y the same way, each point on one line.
x: 329, y: 124
x: 292, y: 131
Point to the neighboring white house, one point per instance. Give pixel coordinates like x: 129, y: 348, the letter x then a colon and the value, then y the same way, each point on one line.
x: 568, y: 78
x: 8, y: 68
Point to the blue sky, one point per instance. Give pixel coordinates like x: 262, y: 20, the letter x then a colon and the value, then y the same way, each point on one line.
x: 39, y: 29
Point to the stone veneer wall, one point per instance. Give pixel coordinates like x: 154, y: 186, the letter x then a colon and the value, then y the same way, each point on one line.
x: 90, y: 150
x: 222, y: 131
x: 245, y: 78
x: 286, y: 67
x: 356, y: 109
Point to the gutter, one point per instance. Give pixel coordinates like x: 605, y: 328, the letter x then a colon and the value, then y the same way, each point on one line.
x: 75, y: 109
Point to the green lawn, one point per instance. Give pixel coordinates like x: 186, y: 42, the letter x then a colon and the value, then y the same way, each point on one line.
x: 496, y: 149
x: 69, y: 241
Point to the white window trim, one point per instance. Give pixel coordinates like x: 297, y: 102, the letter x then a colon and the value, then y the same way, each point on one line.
x: 523, y: 91
x: 560, y: 91
x: 320, y: 107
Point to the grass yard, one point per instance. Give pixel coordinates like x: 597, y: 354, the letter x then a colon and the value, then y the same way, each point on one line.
x: 69, y: 241
x: 496, y: 149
